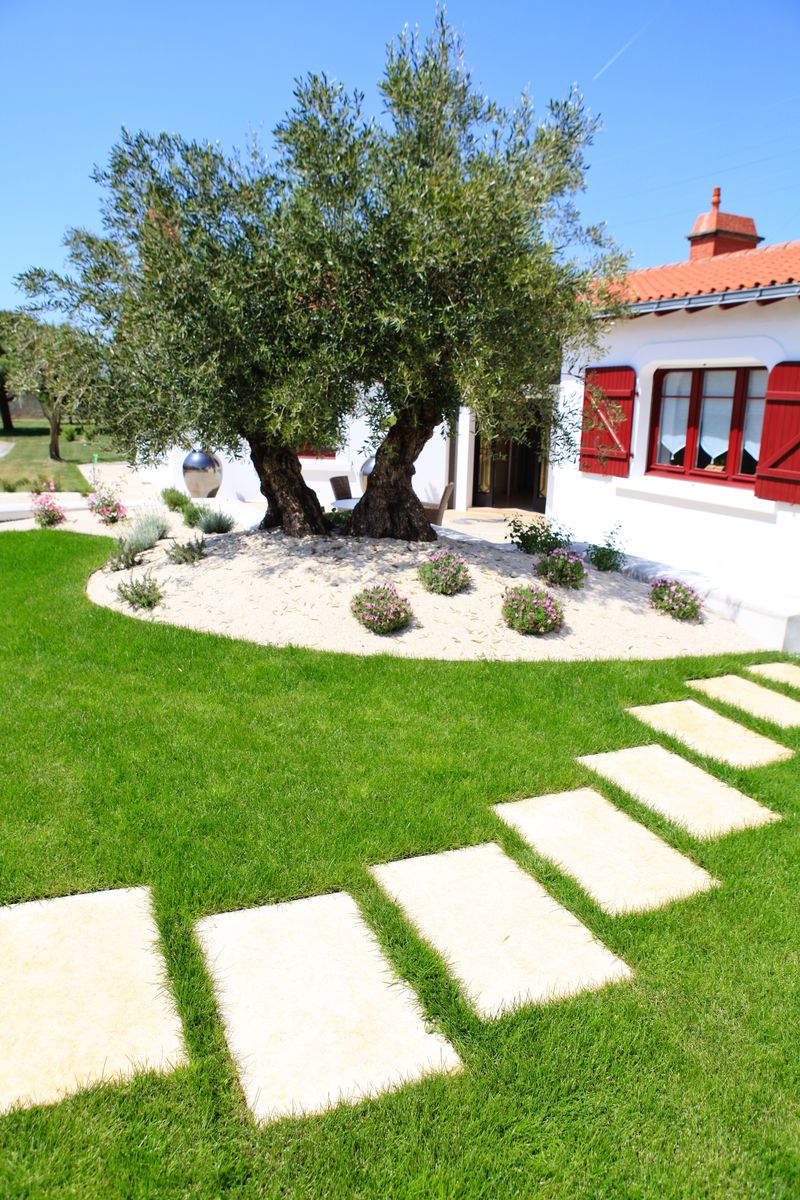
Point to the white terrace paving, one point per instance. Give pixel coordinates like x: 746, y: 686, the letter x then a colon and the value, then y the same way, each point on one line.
x: 313, y: 1014
x: 680, y: 791
x: 779, y: 672
x: 709, y: 734
x: 623, y: 866
x: 750, y: 698
x: 501, y: 934
x: 83, y: 996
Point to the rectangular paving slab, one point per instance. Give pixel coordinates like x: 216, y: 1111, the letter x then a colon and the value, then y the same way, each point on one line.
x: 501, y: 934
x: 778, y: 672
x: 751, y: 698
x: 709, y: 734
x: 83, y: 996
x: 680, y: 791
x: 313, y: 1014
x: 622, y: 865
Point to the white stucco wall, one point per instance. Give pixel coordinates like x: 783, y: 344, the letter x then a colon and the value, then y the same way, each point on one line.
x: 240, y: 482
x: 696, y: 525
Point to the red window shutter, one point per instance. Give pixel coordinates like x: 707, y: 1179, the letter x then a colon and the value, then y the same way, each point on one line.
x: 607, y: 428
x: 778, y: 472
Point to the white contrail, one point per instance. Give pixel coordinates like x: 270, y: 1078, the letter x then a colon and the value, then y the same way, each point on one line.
x: 621, y: 51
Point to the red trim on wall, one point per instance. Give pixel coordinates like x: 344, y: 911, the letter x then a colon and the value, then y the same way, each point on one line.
x: 606, y: 434
x: 778, y: 475
x: 309, y: 452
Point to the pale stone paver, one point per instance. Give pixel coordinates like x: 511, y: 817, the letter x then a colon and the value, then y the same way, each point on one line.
x: 503, y: 937
x: 83, y: 996
x: 680, y: 791
x: 751, y: 698
x: 313, y: 1014
x: 778, y: 672
x: 709, y: 734
x: 622, y: 865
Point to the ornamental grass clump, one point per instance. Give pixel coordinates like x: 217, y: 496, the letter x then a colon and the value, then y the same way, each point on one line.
x: 187, y: 552
x: 381, y: 609
x: 146, y: 532
x: 676, y: 599
x: 531, y: 610
x: 214, y: 520
x: 444, y: 573
x: 124, y: 557
x: 562, y: 568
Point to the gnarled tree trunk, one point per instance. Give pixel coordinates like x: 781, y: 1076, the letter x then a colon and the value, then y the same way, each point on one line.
x: 390, y: 508
x: 291, y: 504
x: 53, y: 413
x: 5, y: 411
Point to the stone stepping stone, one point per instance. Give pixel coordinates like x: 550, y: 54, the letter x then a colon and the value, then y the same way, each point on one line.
x: 709, y: 734
x: 84, y: 996
x: 623, y: 866
x: 778, y: 672
x: 751, y: 698
x: 314, y: 1016
x: 680, y: 791
x: 503, y: 937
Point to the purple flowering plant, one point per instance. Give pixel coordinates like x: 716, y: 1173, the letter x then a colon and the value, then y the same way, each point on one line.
x: 531, y: 610
x: 445, y: 573
x: 381, y: 608
x: 676, y: 599
x: 562, y: 568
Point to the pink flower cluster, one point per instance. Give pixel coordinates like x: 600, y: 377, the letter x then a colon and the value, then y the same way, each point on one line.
x: 676, y: 599
x: 561, y: 567
x: 106, y: 507
x: 46, y: 510
x: 381, y: 609
x: 531, y: 610
x: 445, y: 573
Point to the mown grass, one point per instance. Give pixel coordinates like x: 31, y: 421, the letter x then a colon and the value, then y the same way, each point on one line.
x: 29, y: 461
x: 224, y: 775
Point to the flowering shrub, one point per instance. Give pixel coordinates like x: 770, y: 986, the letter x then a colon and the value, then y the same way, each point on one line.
x: 381, y: 609
x: 563, y: 568
x: 46, y: 509
x: 106, y: 507
x: 676, y: 599
x: 531, y: 610
x: 445, y: 573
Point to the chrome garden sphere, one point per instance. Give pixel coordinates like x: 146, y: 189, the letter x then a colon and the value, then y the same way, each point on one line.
x: 202, y: 474
x: 367, y: 467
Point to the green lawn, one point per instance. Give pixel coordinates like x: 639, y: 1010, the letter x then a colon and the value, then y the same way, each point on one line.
x: 224, y: 775
x: 29, y: 461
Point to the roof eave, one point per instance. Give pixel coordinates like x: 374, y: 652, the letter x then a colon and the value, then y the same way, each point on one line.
x: 713, y: 299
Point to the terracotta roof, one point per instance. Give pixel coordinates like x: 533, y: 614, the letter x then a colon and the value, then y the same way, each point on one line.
x: 768, y: 266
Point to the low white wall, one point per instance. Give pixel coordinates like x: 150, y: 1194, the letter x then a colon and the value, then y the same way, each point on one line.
x: 697, y: 525
x: 240, y: 481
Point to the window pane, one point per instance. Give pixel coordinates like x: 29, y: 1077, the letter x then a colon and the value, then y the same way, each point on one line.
x: 672, y: 429
x: 751, y: 434
x: 757, y: 383
x: 715, y: 432
x: 719, y: 383
x: 677, y: 383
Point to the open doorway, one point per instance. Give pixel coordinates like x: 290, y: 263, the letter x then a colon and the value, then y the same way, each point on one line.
x: 509, y: 475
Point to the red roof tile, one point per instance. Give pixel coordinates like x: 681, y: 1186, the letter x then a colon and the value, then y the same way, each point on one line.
x: 766, y: 267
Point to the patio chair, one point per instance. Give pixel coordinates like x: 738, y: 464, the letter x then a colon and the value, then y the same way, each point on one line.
x: 341, y: 487
x: 435, y: 512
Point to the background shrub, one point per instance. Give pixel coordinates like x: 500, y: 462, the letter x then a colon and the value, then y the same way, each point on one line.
x: 143, y: 592
x: 563, y: 568
x: 531, y: 610
x: 444, y: 573
x: 191, y: 514
x: 676, y: 599
x: 214, y: 520
x: 187, y: 552
x: 174, y: 499
x: 608, y: 555
x: 539, y: 536
x: 381, y: 609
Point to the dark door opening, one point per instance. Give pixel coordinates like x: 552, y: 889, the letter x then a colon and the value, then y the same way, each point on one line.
x: 509, y: 475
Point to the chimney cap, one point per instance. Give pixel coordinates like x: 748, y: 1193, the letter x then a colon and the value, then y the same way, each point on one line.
x: 719, y: 232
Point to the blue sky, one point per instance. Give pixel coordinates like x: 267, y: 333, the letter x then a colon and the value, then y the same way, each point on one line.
x: 691, y: 94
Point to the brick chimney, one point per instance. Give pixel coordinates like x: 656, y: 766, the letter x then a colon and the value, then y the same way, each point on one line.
x: 717, y: 232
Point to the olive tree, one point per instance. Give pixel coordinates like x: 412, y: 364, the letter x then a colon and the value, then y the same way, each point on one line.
x: 481, y: 278
x: 210, y: 291
x: 6, y: 333
x: 58, y: 364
